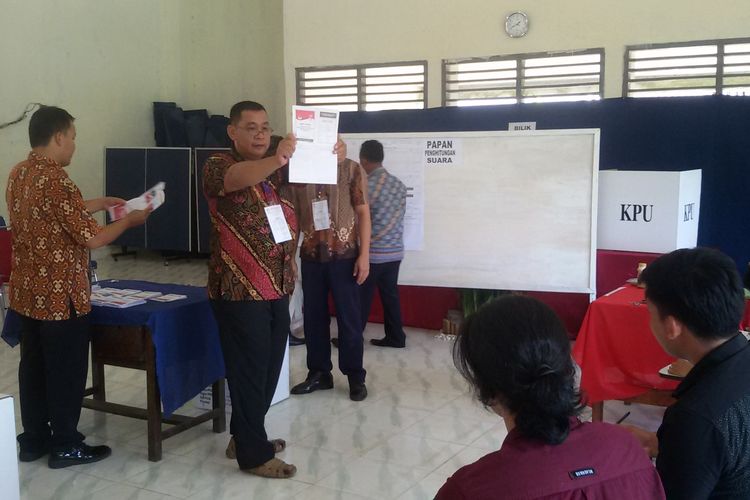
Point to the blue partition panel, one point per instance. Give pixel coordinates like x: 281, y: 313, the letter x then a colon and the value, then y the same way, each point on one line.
x: 168, y: 227
x: 124, y: 177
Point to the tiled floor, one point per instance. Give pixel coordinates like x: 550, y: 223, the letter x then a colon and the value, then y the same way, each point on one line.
x: 417, y: 426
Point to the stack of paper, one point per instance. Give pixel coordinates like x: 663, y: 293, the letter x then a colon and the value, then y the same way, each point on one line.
x: 170, y: 297
x: 128, y: 297
x: 146, y: 295
x: 110, y: 297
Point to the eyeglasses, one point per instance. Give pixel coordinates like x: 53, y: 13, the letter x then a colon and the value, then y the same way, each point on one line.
x: 255, y: 131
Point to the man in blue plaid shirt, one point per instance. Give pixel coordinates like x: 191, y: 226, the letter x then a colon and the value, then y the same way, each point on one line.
x: 387, y: 196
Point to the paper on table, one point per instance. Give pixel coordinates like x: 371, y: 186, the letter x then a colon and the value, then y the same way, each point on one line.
x: 119, y: 302
x: 113, y: 292
x: 145, y: 295
x: 170, y: 297
x: 153, y: 198
x: 316, y: 130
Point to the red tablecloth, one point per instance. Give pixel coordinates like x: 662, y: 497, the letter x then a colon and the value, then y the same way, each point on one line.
x: 618, y: 354
x: 615, y: 267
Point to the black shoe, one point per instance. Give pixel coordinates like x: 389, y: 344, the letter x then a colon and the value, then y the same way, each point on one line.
x: 335, y: 342
x: 77, y: 455
x: 30, y: 456
x: 296, y: 340
x: 357, y: 391
x: 315, y: 381
x: 386, y: 342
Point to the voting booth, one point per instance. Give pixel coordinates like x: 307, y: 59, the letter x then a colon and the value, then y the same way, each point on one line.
x: 646, y: 211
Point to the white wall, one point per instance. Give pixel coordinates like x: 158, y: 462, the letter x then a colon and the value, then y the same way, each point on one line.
x: 331, y: 32
x: 232, y: 50
x: 106, y: 61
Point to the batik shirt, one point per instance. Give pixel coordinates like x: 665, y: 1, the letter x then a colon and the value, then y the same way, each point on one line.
x: 340, y: 240
x: 50, y: 227
x: 246, y: 263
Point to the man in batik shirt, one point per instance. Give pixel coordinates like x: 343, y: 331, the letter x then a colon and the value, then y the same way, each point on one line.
x: 52, y: 233
x: 335, y: 259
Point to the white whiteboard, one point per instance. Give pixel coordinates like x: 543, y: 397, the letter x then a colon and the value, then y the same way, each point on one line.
x: 514, y: 211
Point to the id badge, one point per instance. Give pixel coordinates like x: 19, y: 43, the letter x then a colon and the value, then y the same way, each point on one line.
x: 277, y: 221
x: 321, y: 218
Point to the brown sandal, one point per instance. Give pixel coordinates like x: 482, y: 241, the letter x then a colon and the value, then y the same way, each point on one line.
x: 275, y: 469
x: 279, y: 445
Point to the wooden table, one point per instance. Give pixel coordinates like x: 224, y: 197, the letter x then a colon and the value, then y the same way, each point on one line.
x: 132, y: 347
x: 175, y: 343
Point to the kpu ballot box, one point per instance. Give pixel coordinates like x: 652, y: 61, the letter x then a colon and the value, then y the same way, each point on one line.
x: 645, y: 211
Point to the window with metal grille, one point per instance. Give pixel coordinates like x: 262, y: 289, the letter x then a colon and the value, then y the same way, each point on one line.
x: 688, y: 69
x: 369, y: 87
x: 545, y: 77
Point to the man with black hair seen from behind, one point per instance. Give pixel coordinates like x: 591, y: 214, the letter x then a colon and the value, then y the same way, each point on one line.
x: 515, y: 354
x: 387, y: 197
x: 52, y: 232
x: 695, y: 301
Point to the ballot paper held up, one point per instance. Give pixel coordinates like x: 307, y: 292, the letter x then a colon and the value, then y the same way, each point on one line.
x: 152, y: 198
x: 314, y: 161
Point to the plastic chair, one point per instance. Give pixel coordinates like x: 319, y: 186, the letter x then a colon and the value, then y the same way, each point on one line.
x: 6, y: 255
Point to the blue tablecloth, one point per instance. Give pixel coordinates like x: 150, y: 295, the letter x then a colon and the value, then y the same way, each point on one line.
x: 184, y: 332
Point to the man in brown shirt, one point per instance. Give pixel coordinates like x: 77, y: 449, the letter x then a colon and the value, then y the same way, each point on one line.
x: 335, y: 258
x: 52, y: 233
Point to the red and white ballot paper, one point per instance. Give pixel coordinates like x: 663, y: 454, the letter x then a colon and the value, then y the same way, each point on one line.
x: 314, y: 161
x: 153, y: 198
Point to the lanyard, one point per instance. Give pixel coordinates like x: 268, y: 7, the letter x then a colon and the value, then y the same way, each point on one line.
x: 269, y: 198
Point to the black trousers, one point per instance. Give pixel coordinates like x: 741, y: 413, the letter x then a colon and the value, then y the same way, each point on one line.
x: 318, y: 279
x: 51, y: 381
x: 253, y: 339
x: 384, y: 277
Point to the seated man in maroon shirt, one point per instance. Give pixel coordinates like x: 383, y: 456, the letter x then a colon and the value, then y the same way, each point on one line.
x: 515, y: 354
